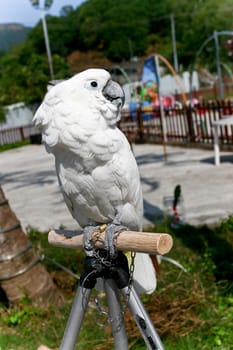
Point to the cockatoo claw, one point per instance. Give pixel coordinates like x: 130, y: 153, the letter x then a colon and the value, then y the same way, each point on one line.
x: 87, y: 238
x: 111, y: 233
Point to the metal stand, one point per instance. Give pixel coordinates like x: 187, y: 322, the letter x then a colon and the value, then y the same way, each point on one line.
x: 115, y: 276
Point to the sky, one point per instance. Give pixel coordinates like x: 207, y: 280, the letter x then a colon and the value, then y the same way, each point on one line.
x: 21, y: 11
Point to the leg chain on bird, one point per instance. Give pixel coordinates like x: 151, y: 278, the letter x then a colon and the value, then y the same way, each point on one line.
x: 131, y: 272
x: 106, y: 261
x: 100, y: 310
x: 119, y: 319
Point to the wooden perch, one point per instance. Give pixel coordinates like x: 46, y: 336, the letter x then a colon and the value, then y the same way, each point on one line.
x: 144, y: 242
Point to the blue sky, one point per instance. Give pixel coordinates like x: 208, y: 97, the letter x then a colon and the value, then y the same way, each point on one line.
x: 21, y: 11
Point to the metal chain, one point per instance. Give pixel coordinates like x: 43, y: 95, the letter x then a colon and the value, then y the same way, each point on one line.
x: 107, y: 263
x: 99, y: 307
x: 101, y: 312
x: 131, y: 272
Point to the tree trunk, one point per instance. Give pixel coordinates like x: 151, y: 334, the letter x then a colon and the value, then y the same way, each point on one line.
x: 21, y: 272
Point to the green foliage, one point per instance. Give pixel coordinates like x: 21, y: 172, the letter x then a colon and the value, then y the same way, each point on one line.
x: 214, y: 245
x: 122, y: 29
x: 119, y: 30
x: 23, y: 314
x: 197, y: 23
x: 26, y: 326
x: 200, y: 309
x: 24, y: 75
x: 6, y: 147
x: 226, y: 227
x: 62, y: 32
x: 2, y: 114
x: 223, y: 335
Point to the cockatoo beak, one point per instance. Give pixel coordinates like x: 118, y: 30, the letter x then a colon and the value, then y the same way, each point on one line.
x: 114, y: 93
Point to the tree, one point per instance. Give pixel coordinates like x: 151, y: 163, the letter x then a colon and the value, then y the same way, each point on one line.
x: 21, y: 272
x: 24, y: 75
x: 118, y: 30
x: 2, y: 114
x: 196, y: 23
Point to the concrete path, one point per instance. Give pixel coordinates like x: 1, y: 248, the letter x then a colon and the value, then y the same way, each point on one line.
x: 28, y: 179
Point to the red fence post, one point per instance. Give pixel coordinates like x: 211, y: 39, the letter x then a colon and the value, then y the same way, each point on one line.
x: 188, y: 113
x: 21, y: 133
x: 140, y: 124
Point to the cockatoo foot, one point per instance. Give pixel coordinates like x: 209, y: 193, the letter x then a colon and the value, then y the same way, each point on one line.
x: 87, y: 238
x: 111, y: 233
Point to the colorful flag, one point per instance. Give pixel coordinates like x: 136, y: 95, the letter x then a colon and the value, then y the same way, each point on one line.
x: 150, y: 71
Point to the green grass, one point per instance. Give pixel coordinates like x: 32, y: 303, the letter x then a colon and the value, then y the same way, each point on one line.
x: 6, y: 147
x: 191, y: 311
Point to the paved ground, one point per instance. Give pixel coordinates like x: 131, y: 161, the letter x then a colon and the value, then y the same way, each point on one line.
x: 28, y: 179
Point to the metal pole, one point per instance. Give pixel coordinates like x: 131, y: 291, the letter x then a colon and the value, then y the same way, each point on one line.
x: 194, y: 64
x: 163, y: 121
x: 75, y: 318
x: 219, y: 70
x: 116, y: 315
x: 143, y: 320
x: 173, y: 31
x: 47, y: 44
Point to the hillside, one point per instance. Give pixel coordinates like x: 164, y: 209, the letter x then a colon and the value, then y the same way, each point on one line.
x: 12, y: 34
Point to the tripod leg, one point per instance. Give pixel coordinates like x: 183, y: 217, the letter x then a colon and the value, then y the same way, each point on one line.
x: 142, y: 319
x: 75, y: 319
x: 116, y: 315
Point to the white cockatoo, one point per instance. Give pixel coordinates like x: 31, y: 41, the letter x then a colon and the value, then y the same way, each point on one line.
x: 96, y: 169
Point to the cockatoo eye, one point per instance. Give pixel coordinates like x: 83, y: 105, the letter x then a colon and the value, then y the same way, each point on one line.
x: 91, y: 85
x: 94, y: 83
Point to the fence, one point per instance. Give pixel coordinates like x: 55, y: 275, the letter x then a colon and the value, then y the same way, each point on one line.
x: 18, y: 134
x: 186, y: 125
